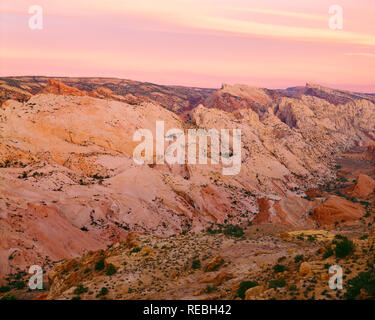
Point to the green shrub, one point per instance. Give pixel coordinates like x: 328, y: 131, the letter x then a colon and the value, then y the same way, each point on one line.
x: 135, y: 250
x: 111, y: 270
x: 277, y: 268
x: 80, y: 289
x: 364, y: 280
x: 277, y: 283
x: 99, y: 266
x: 244, y: 286
x: 19, y: 285
x: 196, y: 264
x: 344, y: 248
x: 212, y: 231
x: 235, y: 231
x: 298, y: 258
x: 210, y: 289
x: 102, y: 292
x: 328, y: 253
x: 4, y: 289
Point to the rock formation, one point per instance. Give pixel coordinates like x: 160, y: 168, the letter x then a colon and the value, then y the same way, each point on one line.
x: 69, y: 184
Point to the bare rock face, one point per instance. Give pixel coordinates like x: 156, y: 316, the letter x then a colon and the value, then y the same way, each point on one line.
x: 57, y: 87
x: 292, y: 210
x: 363, y: 187
x: 101, y: 93
x: 230, y: 98
x: 370, y: 153
x: 337, y: 209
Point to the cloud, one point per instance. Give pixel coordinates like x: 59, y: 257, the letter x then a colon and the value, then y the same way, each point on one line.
x: 361, y: 54
x: 251, y: 28
x: 283, y: 13
x: 195, y: 16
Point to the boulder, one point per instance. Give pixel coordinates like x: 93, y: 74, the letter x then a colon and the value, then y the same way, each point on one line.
x: 304, y: 269
x: 252, y: 292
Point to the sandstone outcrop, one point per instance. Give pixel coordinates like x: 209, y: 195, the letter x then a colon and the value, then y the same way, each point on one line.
x: 57, y: 87
x: 336, y: 210
x: 363, y: 187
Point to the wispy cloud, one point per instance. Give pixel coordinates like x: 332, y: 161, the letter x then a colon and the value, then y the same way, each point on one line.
x: 252, y: 28
x: 283, y: 13
x: 361, y: 54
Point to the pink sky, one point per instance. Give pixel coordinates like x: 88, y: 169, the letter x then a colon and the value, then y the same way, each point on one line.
x: 268, y: 43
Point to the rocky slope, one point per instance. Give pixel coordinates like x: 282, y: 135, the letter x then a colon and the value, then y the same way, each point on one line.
x: 259, y: 265
x: 253, y: 262
x: 68, y: 183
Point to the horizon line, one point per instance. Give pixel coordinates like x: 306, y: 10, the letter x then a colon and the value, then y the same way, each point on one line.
x: 186, y: 86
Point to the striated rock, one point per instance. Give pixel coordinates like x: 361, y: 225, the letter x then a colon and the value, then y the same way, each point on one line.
x: 337, y: 209
x: 9, y: 92
x: 57, y: 87
x: 363, y: 187
x: 101, y: 92
x: 291, y: 210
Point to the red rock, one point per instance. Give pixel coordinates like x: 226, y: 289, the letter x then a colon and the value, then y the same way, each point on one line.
x: 101, y: 92
x: 364, y: 186
x: 337, y: 209
x: 59, y: 88
x: 288, y: 211
x: 264, y: 214
x: 370, y: 153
